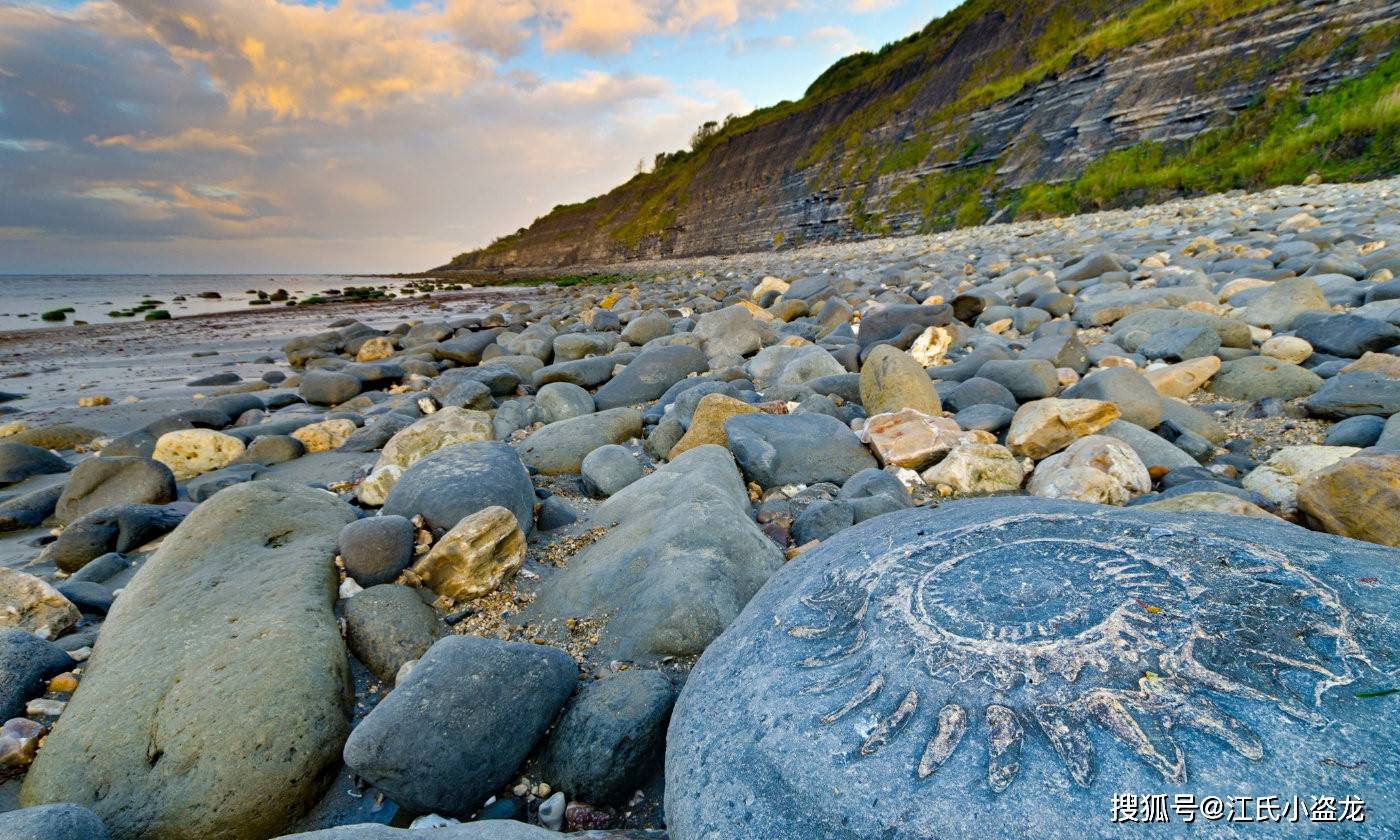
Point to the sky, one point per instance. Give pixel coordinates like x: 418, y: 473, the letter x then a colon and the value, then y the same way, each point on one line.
x: 276, y: 136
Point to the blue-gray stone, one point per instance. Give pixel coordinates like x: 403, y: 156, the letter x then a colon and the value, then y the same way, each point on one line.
x: 608, y: 469
x: 1349, y: 335
x: 328, y: 387
x: 1361, y: 430
x: 457, y: 481
x: 19, y: 461
x: 1003, y: 668
x: 775, y: 449
x: 649, y: 375
x: 979, y: 391
x: 1028, y: 379
x: 457, y: 728
x: 376, y: 549
x: 986, y: 418
x: 1353, y: 394
x: 821, y: 520
x: 26, y: 662
x: 52, y: 822
x: 29, y: 510
x: 610, y: 737
x: 120, y: 528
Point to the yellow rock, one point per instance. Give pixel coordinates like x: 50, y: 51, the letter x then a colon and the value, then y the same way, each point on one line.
x: 1044, y: 427
x: 375, y: 349
x: 610, y: 301
x: 325, y: 435
x: 31, y: 604
x: 756, y: 311
x: 192, y: 452
x: 977, y: 469
x: 1239, y: 284
x: 1382, y: 363
x: 475, y: 557
x: 13, y: 427
x: 769, y: 284
x: 1286, y: 348
x: 707, y: 424
x: 447, y: 427
x: 890, y: 380
x: 1208, y: 502
x: 1358, y: 498
x: 1183, y: 378
x: 94, y: 401
x: 930, y: 348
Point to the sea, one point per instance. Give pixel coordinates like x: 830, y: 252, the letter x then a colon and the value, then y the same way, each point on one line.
x: 94, y: 298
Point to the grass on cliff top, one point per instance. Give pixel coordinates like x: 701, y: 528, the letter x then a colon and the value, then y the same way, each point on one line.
x: 1349, y: 133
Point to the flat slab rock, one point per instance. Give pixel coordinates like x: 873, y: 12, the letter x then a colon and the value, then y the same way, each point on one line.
x: 1002, y: 668
x: 217, y: 697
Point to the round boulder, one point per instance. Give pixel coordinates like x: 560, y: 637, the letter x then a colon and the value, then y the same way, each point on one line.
x: 989, y: 665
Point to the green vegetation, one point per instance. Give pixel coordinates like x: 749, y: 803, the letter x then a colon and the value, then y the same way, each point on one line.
x: 1351, y: 132
x: 158, y: 315
x: 57, y: 314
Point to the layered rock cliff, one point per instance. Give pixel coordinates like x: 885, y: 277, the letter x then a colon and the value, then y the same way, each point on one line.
x: 1005, y: 108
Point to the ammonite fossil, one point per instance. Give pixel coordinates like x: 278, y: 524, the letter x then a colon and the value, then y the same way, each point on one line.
x: 932, y: 670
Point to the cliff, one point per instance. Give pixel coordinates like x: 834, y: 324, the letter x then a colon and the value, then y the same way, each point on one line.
x: 1013, y: 108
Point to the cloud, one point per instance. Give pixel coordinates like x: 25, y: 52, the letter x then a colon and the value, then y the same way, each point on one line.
x: 254, y: 135
x: 861, y: 7
x: 187, y: 139
x: 833, y: 40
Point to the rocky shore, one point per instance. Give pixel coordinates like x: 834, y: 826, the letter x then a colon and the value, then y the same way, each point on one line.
x: 970, y: 534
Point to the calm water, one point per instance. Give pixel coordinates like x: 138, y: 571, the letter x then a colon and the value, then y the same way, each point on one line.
x: 24, y: 297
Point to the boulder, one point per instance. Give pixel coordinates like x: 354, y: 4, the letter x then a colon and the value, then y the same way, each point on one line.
x: 1183, y: 378
x: 1135, y: 396
x: 1208, y: 502
x: 453, y: 483
x: 610, y: 738
x: 120, y: 528
x: 1097, y: 469
x: 727, y: 332
x: 608, y: 469
x: 480, y: 553
x: 29, y: 510
x: 19, y: 461
x: 707, y: 423
x: 325, y: 435
x: 977, y: 469
x: 1279, y: 478
x: 376, y: 549
x: 99, y: 482
x: 328, y: 387
x: 388, y: 625
x: 914, y: 440
x: 682, y: 559
x: 891, y: 380
x: 446, y: 427
x: 1354, y: 394
x: 30, y: 604
x: 1025, y: 659
x: 459, y: 726
x: 562, y: 401
x: 1283, y: 301
x: 27, y: 662
x: 192, y: 452
x: 649, y: 375
x: 559, y: 448
x: 217, y: 696
x: 1257, y: 377
x: 795, y: 449
x: 1358, y: 497
x: 1044, y: 427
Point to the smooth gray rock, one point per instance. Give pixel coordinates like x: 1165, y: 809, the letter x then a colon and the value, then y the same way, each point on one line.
x: 648, y: 376
x: 26, y: 663
x: 100, y: 482
x: 388, y: 625
x: 277, y: 449
x: 52, y: 822
x: 457, y: 481
x: 682, y: 559
x: 328, y: 387
x: 458, y: 727
x: 1027, y: 379
x: 217, y: 696
x: 377, y: 548
x: 1257, y: 377
x: 774, y: 450
x: 1026, y: 659
x: 562, y: 401
x: 120, y: 528
x: 1353, y: 394
x: 30, y: 509
x: 1153, y: 449
x: 608, y: 469
x: 559, y: 448
x: 1349, y: 335
x: 1362, y: 430
x: 610, y: 738
x: 1135, y: 397
x: 480, y: 830
x: 19, y: 461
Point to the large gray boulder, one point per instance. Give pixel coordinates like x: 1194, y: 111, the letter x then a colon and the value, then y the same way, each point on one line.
x: 648, y: 376
x: 99, y: 482
x: 682, y: 559
x: 778, y: 449
x: 457, y: 728
x: 217, y: 696
x: 19, y: 461
x: 457, y: 481
x: 559, y: 448
x: 1002, y: 668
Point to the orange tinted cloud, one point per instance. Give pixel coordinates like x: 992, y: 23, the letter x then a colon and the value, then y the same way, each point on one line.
x: 186, y: 140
